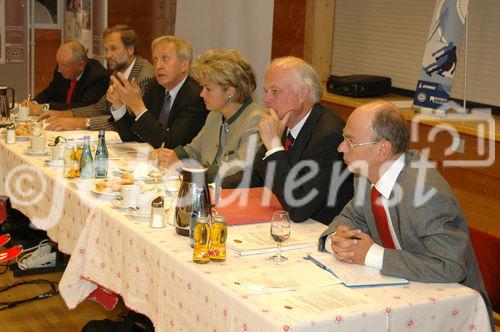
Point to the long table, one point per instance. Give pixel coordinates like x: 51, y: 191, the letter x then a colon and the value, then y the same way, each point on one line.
x: 153, y: 271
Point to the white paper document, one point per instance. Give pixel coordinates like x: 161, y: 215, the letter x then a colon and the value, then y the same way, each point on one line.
x: 246, y: 242
x: 354, y: 274
x: 112, y: 137
x: 278, y: 279
x: 318, y: 304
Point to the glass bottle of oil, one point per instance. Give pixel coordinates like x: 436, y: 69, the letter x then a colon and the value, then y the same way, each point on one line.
x: 201, y: 237
x: 218, y: 234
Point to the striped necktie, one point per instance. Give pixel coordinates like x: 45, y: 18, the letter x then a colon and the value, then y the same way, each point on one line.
x: 165, y: 109
x: 289, y: 141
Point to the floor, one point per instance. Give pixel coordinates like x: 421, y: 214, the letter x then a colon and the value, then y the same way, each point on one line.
x: 50, y: 314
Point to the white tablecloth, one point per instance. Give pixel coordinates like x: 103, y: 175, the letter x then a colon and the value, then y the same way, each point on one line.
x: 153, y: 271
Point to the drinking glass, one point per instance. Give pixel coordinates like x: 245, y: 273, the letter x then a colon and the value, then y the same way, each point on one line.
x: 36, y: 126
x: 156, y: 172
x: 280, y: 232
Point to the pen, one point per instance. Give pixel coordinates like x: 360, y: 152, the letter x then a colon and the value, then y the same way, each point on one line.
x: 317, y: 263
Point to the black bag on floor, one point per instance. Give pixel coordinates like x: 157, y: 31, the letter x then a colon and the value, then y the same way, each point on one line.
x: 133, y: 322
x: 359, y: 86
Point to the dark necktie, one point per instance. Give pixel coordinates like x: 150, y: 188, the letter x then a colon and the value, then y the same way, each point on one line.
x: 165, y: 109
x: 70, y: 91
x: 381, y: 220
x: 289, y: 141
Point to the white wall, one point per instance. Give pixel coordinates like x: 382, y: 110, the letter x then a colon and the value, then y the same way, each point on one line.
x: 244, y: 25
x: 387, y: 37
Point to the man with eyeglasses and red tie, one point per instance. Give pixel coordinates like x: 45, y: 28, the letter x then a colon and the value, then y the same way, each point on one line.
x: 78, y: 81
x: 404, y: 218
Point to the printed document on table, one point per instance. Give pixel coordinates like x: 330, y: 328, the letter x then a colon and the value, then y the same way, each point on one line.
x: 279, y: 279
x: 354, y: 274
x: 256, y: 242
x: 318, y: 303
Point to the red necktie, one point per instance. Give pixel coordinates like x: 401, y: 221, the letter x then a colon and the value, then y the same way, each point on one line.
x: 289, y: 141
x: 70, y: 91
x: 381, y: 220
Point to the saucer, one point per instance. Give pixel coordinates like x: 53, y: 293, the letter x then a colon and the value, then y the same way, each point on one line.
x: 117, y: 204
x: 54, y: 163
x: 29, y: 152
x: 22, y: 138
x: 135, y: 214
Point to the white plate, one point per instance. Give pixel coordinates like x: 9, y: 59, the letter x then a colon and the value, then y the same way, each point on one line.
x: 93, y: 189
x: 35, y: 153
x: 134, y: 214
x: 117, y: 204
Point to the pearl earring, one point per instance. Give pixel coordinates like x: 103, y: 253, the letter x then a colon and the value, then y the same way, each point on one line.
x: 229, y: 97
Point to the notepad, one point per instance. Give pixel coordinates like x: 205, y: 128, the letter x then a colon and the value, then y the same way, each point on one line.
x: 246, y: 206
x: 257, y: 242
x: 354, y: 275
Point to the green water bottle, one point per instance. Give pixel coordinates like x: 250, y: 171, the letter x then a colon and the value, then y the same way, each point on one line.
x: 101, y: 160
x: 86, y: 169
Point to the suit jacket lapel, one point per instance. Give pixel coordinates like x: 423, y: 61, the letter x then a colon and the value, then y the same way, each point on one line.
x: 175, y: 107
x: 370, y: 219
x: 157, y: 100
x: 79, y: 83
x: 300, y: 143
x: 136, y: 68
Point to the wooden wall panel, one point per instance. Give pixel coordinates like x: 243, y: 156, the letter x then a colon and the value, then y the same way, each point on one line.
x: 139, y: 15
x: 47, y: 42
x: 288, y: 28
x: 164, y: 20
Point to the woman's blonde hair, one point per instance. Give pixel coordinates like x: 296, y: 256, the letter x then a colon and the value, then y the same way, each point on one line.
x: 226, y: 67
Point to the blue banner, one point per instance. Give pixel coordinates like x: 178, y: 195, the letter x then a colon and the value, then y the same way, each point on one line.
x: 440, y: 57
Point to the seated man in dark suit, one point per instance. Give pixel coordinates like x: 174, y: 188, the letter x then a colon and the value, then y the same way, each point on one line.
x: 78, y: 81
x: 405, y: 220
x: 299, y: 160
x: 121, y: 51
x: 171, y: 112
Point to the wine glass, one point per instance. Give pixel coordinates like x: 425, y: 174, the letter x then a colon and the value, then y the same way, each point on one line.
x: 280, y: 232
x: 155, y: 171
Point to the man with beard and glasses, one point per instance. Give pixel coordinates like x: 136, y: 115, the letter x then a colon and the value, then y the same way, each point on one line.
x: 121, y: 45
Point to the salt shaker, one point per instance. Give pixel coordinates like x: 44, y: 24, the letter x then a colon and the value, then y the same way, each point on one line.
x: 157, y: 214
x: 10, y: 134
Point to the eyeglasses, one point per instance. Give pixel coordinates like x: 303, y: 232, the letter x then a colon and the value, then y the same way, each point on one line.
x: 352, y: 145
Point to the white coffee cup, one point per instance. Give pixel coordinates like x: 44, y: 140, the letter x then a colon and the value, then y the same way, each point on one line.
x: 37, y: 143
x: 23, y: 113
x: 130, y: 192
x: 144, y: 203
x: 57, y: 151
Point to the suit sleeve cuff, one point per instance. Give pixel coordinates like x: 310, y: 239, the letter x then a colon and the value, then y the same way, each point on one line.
x: 181, y: 153
x: 273, y: 150
x: 328, y: 243
x: 119, y: 112
x: 375, y: 256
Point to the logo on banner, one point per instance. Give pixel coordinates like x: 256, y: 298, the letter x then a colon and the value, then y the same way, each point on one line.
x: 440, y: 56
